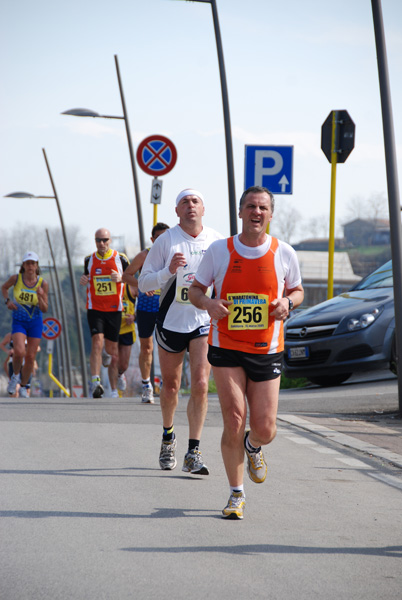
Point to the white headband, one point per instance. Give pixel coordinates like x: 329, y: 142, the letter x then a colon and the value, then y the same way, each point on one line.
x: 189, y: 192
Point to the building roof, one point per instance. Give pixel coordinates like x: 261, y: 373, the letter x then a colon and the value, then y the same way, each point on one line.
x: 314, y: 267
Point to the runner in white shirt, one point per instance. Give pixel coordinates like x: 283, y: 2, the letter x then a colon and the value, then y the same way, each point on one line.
x: 171, y: 265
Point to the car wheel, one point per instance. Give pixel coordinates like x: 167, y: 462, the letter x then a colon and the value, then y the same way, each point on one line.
x: 327, y: 381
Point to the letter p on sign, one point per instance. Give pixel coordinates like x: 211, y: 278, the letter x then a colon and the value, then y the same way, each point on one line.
x: 270, y: 167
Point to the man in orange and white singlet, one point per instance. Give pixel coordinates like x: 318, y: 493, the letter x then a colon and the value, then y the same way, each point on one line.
x: 257, y: 283
x: 102, y: 278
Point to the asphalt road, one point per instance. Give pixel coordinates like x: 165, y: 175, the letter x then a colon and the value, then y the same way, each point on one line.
x: 86, y: 513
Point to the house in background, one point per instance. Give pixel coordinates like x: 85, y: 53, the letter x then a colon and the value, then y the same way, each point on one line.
x: 350, y: 265
x: 367, y: 232
x: 320, y: 244
x: 314, y: 272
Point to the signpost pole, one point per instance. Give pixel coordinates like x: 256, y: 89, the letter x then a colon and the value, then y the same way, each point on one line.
x: 331, y: 240
x: 67, y: 363
x: 61, y: 358
x: 337, y: 142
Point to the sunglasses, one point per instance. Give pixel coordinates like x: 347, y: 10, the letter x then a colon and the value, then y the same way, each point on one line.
x: 99, y: 240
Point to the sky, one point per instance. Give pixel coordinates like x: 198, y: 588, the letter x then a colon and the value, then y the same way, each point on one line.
x: 288, y: 65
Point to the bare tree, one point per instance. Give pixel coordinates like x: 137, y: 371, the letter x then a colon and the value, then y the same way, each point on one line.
x: 75, y: 242
x: 373, y: 208
x: 286, y: 222
x: 27, y: 237
x: 318, y: 227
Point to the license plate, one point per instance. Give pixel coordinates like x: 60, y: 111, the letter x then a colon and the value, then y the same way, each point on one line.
x: 298, y: 352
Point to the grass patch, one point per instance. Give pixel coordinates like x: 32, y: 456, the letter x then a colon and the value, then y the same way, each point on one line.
x: 212, y: 386
x: 287, y: 383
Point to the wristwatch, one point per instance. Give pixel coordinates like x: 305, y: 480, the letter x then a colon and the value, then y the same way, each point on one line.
x: 7, y: 300
x: 290, y: 303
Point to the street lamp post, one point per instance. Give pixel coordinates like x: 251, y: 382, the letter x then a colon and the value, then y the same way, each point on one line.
x: 392, y: 181
x: 71, y: 272
x: 84, y: 112
x: 226, y: 116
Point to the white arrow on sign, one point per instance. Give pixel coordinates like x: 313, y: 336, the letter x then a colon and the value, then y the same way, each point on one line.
x: 156, y: 193
x: 284, y: 181
x: 260, y: 170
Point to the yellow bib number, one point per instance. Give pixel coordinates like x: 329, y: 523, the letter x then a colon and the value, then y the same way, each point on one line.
x: 27, y: 297
x: 104, y: 286
x: 248, y: 311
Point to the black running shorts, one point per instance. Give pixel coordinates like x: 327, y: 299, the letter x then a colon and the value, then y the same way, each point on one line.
x: 171, y: 341
x: 107, y: 323
x: 258, y: 367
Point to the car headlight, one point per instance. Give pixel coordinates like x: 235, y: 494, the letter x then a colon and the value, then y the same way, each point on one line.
x: 365, y: 320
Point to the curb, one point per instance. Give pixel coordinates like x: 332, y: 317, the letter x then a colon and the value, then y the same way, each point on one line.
x: 344, y: 440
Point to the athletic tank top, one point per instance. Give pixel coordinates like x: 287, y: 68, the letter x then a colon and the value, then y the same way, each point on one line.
x: 103, y: 294
x: 251, y: 285
x: 128, y: 309
x: 26, y: 297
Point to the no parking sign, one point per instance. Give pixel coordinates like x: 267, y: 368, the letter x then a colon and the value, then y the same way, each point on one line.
x: 51, y: 328
x: 156, y: 155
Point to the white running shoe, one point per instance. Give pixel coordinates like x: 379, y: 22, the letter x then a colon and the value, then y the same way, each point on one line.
x: 96, y: 389
x: 122, y: 383
x: 106, y: 358
x: 23, y: 392
x: 114, y: 394
x: 167, y: 456
x: 194, y: 463
x: 235, y: 506
x: 256, y: 465
x: 12, y: 384
x: 147, y: 394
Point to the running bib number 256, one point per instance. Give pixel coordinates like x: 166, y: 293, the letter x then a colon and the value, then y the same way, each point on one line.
x: 248, y: 311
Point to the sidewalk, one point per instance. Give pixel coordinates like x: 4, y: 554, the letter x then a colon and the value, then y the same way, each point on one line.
x: 377, y: 435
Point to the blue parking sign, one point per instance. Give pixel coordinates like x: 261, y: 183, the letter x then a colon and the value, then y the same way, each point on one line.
x: 270, y: 167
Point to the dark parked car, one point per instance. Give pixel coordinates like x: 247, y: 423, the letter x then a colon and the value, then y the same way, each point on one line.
x: 350, y: 333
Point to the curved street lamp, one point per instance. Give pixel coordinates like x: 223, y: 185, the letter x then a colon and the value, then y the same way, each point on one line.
x: 71, y: 272
x: 392, y: 180
x: 226, y: 117
x: 85, y: 112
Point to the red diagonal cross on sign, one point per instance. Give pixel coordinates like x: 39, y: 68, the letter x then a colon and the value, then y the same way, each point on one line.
x: 156, y: 155
x: 51, y: 328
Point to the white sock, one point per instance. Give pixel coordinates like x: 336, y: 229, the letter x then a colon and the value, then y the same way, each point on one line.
x: 237, y: 488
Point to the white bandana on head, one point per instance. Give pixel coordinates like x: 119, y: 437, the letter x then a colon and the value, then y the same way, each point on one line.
x: 189, y: 192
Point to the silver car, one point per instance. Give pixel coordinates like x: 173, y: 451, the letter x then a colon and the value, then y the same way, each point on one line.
x: 352, y: 332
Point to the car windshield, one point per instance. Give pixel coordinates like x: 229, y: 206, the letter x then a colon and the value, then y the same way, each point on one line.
x: 380, y: 278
